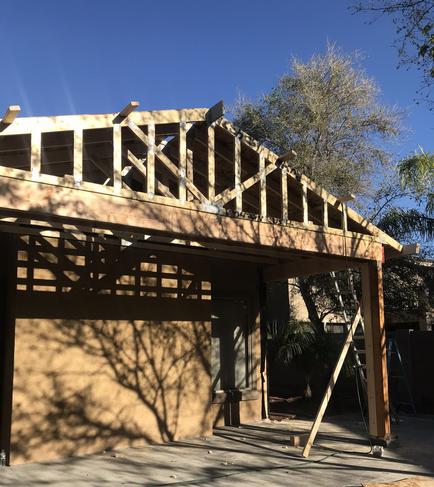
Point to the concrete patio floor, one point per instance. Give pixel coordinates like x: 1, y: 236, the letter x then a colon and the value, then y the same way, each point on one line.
x: 253, y: 455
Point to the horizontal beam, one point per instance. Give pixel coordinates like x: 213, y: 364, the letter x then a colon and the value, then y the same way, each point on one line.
x: 215, y: 112
x: 132, y: 105
x: 27, y: 198
x: 10, y: 114
x: 410, y: 249
x: 26, y: 125
x: 307, y: 267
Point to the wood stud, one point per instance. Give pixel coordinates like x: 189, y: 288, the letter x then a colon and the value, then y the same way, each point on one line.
x: 262, y: 186
x: 237, y: 168
x: 150, y: 160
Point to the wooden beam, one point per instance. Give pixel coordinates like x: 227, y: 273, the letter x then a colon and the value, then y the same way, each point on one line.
x: 237, y: 170
x: 162, y: 188
x: 36, y: 154
x: 25, y: 125
x: 307, y: 267
x: 150, y: 160
x: 325, y: 213
x: 10, y: 114
x: 166, y: 161
x: 215, y: 112
x: 331, y: 384
x: 231, y: 193
x: 117, y: 157
x: 344, y: 217
x: 332, y: 200
x: 376, y: 353
x: 78, y: 156
x: 410, y: 249
x: 263, y: 186
x: 211, y: 163
x: 182, y: 166
x: 346, y: 198
x: 287, y: 156
x: 190, y: 172
x: 304, y: 201
x: 284, y: 182
x: 132, y: 105
x: 55, y: 202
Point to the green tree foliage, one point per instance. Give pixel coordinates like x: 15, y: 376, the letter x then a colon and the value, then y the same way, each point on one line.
x: 327, y: 110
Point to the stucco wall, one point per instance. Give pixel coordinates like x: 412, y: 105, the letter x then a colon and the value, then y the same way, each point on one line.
x: 112, y: 346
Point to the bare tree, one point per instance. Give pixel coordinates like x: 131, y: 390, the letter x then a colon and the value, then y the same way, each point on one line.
x: 414, y: 22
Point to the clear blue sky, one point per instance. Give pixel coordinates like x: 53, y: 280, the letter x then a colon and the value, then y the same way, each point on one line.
x: 93, y: 56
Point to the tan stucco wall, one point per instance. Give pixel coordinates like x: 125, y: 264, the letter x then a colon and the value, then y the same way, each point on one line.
x: 83, y: 386
x: 113, y: 349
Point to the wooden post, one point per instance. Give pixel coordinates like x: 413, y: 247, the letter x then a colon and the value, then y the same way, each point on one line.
x: 304, y: 203
x: 284, y: 193
x: 237, y: 163
x: 325, y: 213
x: 36, y: 152
x: 344, y: 217
x: 78, y: 156
x: 211, y: 162
x: 182, y: 162
x: 150, y: 160
x: 375, y: 345
x: 117, y: 157
x: 263, y: 186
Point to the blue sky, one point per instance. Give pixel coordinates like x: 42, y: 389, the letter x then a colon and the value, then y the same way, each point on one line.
x: 93, y: 56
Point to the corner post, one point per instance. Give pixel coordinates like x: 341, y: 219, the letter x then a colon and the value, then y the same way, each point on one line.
x: 375, y: 345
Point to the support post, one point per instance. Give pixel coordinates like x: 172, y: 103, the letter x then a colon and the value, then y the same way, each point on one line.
x: 150, y: 160
x: 304, y: 203
x: 36, y: 154
x: 211, y: 163
x: 284, y: 182
x: 237, y: 163
x: 117, y: 157
x: 262, y: 186
x: 182, y: 162
x: 78, y: 156
x: 376, y: 355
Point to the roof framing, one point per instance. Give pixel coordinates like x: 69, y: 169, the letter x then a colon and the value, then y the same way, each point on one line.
x: 192, y: 160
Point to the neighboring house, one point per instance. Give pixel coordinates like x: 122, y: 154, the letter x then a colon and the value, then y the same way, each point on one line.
x: 136, y: 246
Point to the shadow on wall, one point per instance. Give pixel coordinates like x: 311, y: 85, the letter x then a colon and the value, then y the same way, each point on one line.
x: 84, y: 382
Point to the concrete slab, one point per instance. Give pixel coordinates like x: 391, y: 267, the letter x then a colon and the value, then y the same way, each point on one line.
x: 254, y: 455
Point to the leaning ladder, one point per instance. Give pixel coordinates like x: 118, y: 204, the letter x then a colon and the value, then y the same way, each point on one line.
x: 349, y: 343
x: 397, y: 375
x: 358, y: 352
